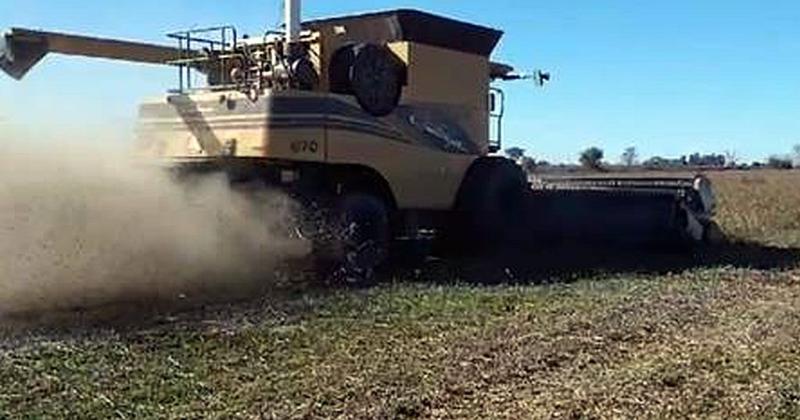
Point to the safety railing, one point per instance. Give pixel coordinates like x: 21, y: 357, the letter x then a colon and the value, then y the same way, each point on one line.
x: 208, y: 49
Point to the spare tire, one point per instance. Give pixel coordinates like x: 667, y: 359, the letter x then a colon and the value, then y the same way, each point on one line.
x: 372, y: 73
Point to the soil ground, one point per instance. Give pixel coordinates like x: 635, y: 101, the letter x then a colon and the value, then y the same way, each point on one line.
x: 712, y: 333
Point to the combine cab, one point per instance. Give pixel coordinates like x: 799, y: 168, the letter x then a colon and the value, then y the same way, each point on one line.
x: 379, y: 124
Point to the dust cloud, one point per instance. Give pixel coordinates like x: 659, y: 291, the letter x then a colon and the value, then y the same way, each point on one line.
x: 82, y: 225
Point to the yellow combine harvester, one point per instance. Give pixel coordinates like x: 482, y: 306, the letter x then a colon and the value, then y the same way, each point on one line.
x: 379, y: 124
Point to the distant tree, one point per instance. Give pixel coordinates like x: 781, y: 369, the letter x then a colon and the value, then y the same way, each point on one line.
x: 731, y: 158
x: 777, y: 162
x: 662, y: 162
x: 528, y: 164
x: 796, y: 153
x: 515, y: 153
x: 655, y: 162
x: 711, y: 160
x: 592, y: 158
x: 630, y: 156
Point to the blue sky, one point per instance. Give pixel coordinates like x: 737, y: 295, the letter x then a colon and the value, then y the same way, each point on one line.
x: 670, y: 77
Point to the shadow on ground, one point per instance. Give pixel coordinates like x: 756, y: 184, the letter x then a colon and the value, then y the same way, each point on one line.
x: 279, y: 303
x: 567, y: 263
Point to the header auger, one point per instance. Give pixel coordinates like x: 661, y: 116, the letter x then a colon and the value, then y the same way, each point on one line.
x: 386, y: 122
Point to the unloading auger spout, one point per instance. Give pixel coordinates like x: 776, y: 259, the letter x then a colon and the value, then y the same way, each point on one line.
x: 21, y: 49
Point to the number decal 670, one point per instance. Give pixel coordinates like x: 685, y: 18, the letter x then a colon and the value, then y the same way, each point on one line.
x: 305, y: 146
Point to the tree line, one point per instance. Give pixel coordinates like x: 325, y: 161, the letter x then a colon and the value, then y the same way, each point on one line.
x: 593, y: 158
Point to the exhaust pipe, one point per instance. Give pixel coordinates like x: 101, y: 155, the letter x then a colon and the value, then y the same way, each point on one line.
x: 292, y: 21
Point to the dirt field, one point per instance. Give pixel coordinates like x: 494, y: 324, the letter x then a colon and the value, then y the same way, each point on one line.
x: 715, y: 334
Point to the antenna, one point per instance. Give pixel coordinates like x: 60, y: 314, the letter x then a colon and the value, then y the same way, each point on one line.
x: 539, y: 77
x: 500, y: 71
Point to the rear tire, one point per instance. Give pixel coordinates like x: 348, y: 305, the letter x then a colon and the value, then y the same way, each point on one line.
x: 356, y: 246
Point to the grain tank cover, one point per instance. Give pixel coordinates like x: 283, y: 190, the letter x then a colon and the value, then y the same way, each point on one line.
x: 416, y: 26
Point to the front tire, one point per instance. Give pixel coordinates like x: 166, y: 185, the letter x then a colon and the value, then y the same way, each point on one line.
x: 490, y: 210
x: 356, y: 246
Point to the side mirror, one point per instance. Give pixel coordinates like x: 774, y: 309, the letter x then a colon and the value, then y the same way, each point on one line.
x: 496, y: 102
x: 542, y: 77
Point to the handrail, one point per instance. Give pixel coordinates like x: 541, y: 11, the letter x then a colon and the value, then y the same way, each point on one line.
x: 219, y: 49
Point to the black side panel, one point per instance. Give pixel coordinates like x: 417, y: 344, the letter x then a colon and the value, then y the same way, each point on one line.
x: 602, y: 217
x: 447, y: 33
x: 423, y: 28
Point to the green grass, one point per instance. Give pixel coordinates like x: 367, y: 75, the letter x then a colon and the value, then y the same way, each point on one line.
x: 711, y: 341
